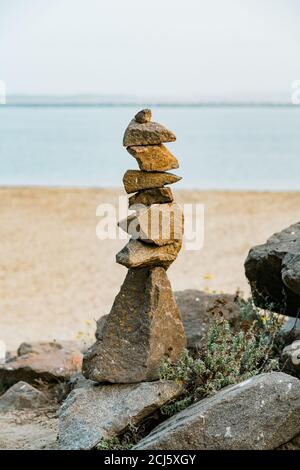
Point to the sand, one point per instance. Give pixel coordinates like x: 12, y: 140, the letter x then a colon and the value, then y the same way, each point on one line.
x: 57, y: 277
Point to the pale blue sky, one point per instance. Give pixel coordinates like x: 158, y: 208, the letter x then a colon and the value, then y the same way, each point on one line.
x: 157, y: 47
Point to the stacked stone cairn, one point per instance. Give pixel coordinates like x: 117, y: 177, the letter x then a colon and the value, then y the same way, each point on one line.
x: 144, y: 325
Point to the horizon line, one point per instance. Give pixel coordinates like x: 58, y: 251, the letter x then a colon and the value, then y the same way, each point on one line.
x: 100, y: 100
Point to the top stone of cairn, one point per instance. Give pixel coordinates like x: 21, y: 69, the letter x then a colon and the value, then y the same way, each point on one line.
x: 145, y: 115
x: 141, y: 131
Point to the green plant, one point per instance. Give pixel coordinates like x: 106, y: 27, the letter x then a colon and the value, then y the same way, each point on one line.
x: 228, y: 356
x: 123, y: 442
x: 130, y: 436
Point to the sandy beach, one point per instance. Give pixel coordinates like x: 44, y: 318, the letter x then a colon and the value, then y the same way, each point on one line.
x: 57, y: 277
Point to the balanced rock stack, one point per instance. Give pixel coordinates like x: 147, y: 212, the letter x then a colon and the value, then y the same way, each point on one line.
x: 144, y: 325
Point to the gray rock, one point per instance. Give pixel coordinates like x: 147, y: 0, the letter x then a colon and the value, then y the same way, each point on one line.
x: 99, y: 412
x: 259, y: 414
x: 136, y: 180
x: 143, y: 327
x: 137, y: 254
x: 145, y: 115
x: 291, y: 358
x: 47, y: 361
x: 273, y: 270
x: 149, y: 133
x: 199, y: 309
x: 21, y: 396
x: 291, y: 273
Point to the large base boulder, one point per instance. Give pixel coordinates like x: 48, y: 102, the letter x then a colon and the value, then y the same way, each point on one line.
x: 260, y: 413
x: 273, y: 270
x: 143, y: 327
x: 95, y: 412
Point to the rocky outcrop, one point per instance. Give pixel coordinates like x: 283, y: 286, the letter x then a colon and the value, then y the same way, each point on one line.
x: 273, y: 270
x: 96, y: 412
x: 259, y: 414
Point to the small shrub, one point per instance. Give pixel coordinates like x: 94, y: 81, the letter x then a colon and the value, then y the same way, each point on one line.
x: 228, y: 357
x: 131, y: 435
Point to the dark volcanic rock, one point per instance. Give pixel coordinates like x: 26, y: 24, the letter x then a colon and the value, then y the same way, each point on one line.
x: 291, y: 272
x: 143, y: 327
x: 273, y: 270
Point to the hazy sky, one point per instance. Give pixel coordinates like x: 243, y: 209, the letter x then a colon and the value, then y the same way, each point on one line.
x: 156, y: 47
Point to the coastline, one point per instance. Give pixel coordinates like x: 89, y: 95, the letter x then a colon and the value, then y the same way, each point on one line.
x: 57, y: 277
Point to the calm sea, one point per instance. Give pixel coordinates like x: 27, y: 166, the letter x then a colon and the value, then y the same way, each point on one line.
x: 254, y: 148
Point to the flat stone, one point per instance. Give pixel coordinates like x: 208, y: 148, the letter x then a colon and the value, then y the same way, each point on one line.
x: 137, y: 254
x: 145, y: 115
x: 21, y: 396
x: 153, y: 157
x: 151, y: 196
x: 135, y: 180
x: 50, y: 362
x: 199, y: 310
x: 143, y: 327
x: 103, y: 411
x: 273, y: 270
x: 160, y: 224
x: 149, y: 133
x: 260, y: 413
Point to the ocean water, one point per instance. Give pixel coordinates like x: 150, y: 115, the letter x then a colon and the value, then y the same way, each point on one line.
x: 248, y: 148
